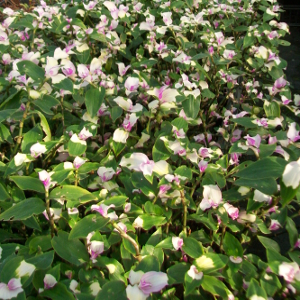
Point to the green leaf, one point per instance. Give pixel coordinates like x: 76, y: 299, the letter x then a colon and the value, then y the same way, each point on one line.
x: 177, y: 272
x: 5, y: 114
x: 249, y: 40
x: 65, y: 84
x: 98, y: 37
x: 24, y: 209
x: 76, y: 149
x: 232, y: 246
x: 43, y: 242
x: 113, y: 290
x: 93, y: 222
x: 270, y: 167
x: 255, y: 290
x: 246, y: 122
x: 191, y: 107
x: 116, y: 113
x: 45, y: 126
x: 4, y: 195
x: 31, y: 137
x: 28, y: 183
x: 71, y: 192
x: 211, y: 262
x: 272, y: 109
x: 148, y: 263
x: 266, y: 150
x: 31, y: 69
x: 72, y: 251
x: 265, y: 185
x: 185, y: 172
x: 215, y: 286
x: 58, y: 292
x: 42, y: 261
x: 139, y: 182
x: 191, y: 284
x: 152, y: 221
x: 116, y: 200
x: 270, y: 283
x: 269, y: 243
x: 287, y: 193
x: 93, y: 100
x: 46, y: 103
x: 160, y: 151
x: 292, y: 231
x: 78, y: 23
x: 192, y: 247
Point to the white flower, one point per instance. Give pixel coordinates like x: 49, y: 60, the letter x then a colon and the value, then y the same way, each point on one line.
x: 177, y: 242
x: 45, y: 178
x: 212, y: 197
x: 194, y: 273
x: 95, y: 249
x: 291, y: 174
x: 11, y: 289
x: 49, y: 281
x: 25, y: 269
x: 120, y: 136
x: 37, y: 149
x: 289, y: 271
x: 20, y: 159
x: 106, y: 174
x: 261, y: 197
x: 78, y: 162
x: 103, y: 210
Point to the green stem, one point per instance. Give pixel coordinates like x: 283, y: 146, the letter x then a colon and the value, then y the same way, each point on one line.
x: 184, y: 210
x: 20, y: 136
x: 50, y: 217
x: 130, y: 239
x: 76, y: 177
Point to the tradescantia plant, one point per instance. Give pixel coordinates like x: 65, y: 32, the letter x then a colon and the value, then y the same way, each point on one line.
x: 149, y: 150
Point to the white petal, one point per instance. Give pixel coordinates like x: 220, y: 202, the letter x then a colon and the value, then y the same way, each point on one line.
x: 120, y: 136
x: 135, y: 277
x: 291, y: 174
x: 134, y: 293
x: 25, y: 269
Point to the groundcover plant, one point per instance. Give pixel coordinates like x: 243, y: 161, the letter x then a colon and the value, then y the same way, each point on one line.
x: 149, y: 150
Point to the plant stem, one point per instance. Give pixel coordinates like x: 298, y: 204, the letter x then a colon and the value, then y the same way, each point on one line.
x: 130, y: 239
x: 76, y: 177
x: 51, y: 221
x: 184, y: 210
x: 19, y: 139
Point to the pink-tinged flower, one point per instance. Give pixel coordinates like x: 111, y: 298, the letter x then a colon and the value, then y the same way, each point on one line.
x: 160, y: 47
x: 234, y: 158
x: 229, y: 54
x: 138, y: 162
x: 167, y: 18
x: 232, y: 211
x: 236, y: 135
x: 183, y: 58
x: 83, y: 71
x: 127, y: 105
x: 103, y: 210
x: 275, y: 225
x: 253, y: 141
x: 84, y: 134
x: 200, y: 138
x: 3, y: 38
x: 49, y: 281
x: 55, y: 213
x: 45, y: 178
x: 131, y: 84
x: 129, y: 121
x: 149, y: 25
x: 291, y: 174
x: 95, y: 249
x: 180, y: 134
x: 202, y: 165
x: 289, y: 271
x: 106, y: 174
x: 194, y: 273
x: 279, y: 84
x: 172, y: 178
x: 122, y: 69
x: 73, y: 211
x: 236, y: 259
x: 212, y: 197
x: 297, y: 244
x: 263, y: 122
x: 152, y: 282
x: 285, y: 100
x: 211, y: 50
x: 205, y: 152
x: 177, y: 242
x: 11, y: 289
x: 78, y: 162
x: 163, y: 189
x: 68, y: 68
x: 272, y: 140
x: 90, y: 5
x: 127, y: 207
x: 293, y: 133
x: 6, y: 58
x: 164, y: 94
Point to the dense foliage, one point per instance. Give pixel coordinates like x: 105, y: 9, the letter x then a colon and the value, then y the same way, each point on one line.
x: 149, y: 150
